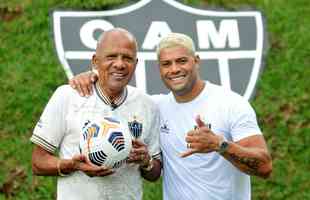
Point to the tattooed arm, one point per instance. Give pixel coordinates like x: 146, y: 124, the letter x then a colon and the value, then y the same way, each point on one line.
x: 250, y: 155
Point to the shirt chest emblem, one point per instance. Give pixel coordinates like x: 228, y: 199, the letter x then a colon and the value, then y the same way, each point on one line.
x: 135, y: 127
x: 164, y: 127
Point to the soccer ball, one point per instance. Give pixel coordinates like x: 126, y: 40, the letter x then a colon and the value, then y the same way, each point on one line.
x: 106, y: 142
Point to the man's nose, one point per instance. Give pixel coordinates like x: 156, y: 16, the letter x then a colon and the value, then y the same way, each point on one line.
x: 119, y: 62
x: 174, y: 67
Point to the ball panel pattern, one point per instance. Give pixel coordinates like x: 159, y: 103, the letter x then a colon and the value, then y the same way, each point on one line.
x: 117, y: 140
x: 97, y: 158
x: 106, y: 141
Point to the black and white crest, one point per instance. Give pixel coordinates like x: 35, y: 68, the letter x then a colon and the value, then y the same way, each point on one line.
x: 230, y: 44
x: 135, y: 128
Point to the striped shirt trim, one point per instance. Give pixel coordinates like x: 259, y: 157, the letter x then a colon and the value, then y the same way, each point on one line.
x: 157, y: 156
x: 43, y: 143
x: 119, y: 101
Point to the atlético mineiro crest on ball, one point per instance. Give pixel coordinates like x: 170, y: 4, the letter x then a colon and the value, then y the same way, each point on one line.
x: 231, y: 44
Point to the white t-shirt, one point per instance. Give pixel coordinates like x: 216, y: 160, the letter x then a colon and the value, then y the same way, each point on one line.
x: 60, y: 127
x: 204, y: 176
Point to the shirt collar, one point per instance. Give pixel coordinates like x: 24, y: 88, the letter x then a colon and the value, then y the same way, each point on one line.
x: 116, y: 103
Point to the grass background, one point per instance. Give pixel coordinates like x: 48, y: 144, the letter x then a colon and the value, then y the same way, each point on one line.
x: 30, y: 72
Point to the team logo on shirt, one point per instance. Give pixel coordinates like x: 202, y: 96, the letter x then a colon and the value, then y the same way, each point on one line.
x: 135, y: 127
x: 208, y: 125
x: 164, y: 127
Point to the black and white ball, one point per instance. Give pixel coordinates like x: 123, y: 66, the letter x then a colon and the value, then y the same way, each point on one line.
x: 106, y: 142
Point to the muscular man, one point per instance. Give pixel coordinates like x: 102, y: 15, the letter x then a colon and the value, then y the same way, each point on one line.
x: 61, y: 124
x: 209, y: 137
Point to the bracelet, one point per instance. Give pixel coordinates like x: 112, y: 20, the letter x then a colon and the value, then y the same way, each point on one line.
x: 59, y: 170
x: 149, y: 166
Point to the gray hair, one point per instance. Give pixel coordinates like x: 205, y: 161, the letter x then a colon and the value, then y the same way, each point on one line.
x: 175, y: 40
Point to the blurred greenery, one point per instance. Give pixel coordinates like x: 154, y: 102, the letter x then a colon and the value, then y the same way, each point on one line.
x: 30, y: 72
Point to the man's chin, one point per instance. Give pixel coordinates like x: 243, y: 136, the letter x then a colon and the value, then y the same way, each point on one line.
x: 118, y: 85
x: 177, y: 89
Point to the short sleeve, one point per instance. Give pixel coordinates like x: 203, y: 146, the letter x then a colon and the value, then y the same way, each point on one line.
x: 49, y: 130
x: 243, y: 122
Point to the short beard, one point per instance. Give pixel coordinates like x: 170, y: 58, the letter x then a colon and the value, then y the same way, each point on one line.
x: 187, y: 89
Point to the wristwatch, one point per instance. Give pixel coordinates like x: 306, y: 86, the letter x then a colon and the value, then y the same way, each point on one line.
x: 223, y: 146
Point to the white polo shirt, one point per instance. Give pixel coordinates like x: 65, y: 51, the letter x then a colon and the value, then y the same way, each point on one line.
x: 204, y: 176
x: 60, y: 127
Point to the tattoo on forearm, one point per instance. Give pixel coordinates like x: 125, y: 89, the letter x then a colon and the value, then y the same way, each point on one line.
x: 250, y: 165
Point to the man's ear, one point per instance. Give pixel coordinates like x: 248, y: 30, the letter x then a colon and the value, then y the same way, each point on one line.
x: 197, y: 60
x: 137, y: 61
x: 94, y: 62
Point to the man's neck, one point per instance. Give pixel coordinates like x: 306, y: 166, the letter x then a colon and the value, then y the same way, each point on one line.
x: 196, y: 90
x: 112, y: 95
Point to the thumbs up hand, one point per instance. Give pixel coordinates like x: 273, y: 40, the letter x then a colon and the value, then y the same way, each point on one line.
x: 201, y: 140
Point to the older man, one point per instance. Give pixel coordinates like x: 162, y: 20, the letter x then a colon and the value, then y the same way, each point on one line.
x: 61, y: 124
x: 209, y: 137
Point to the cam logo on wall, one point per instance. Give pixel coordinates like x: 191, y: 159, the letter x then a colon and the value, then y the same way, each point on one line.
x: 230, y: 44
